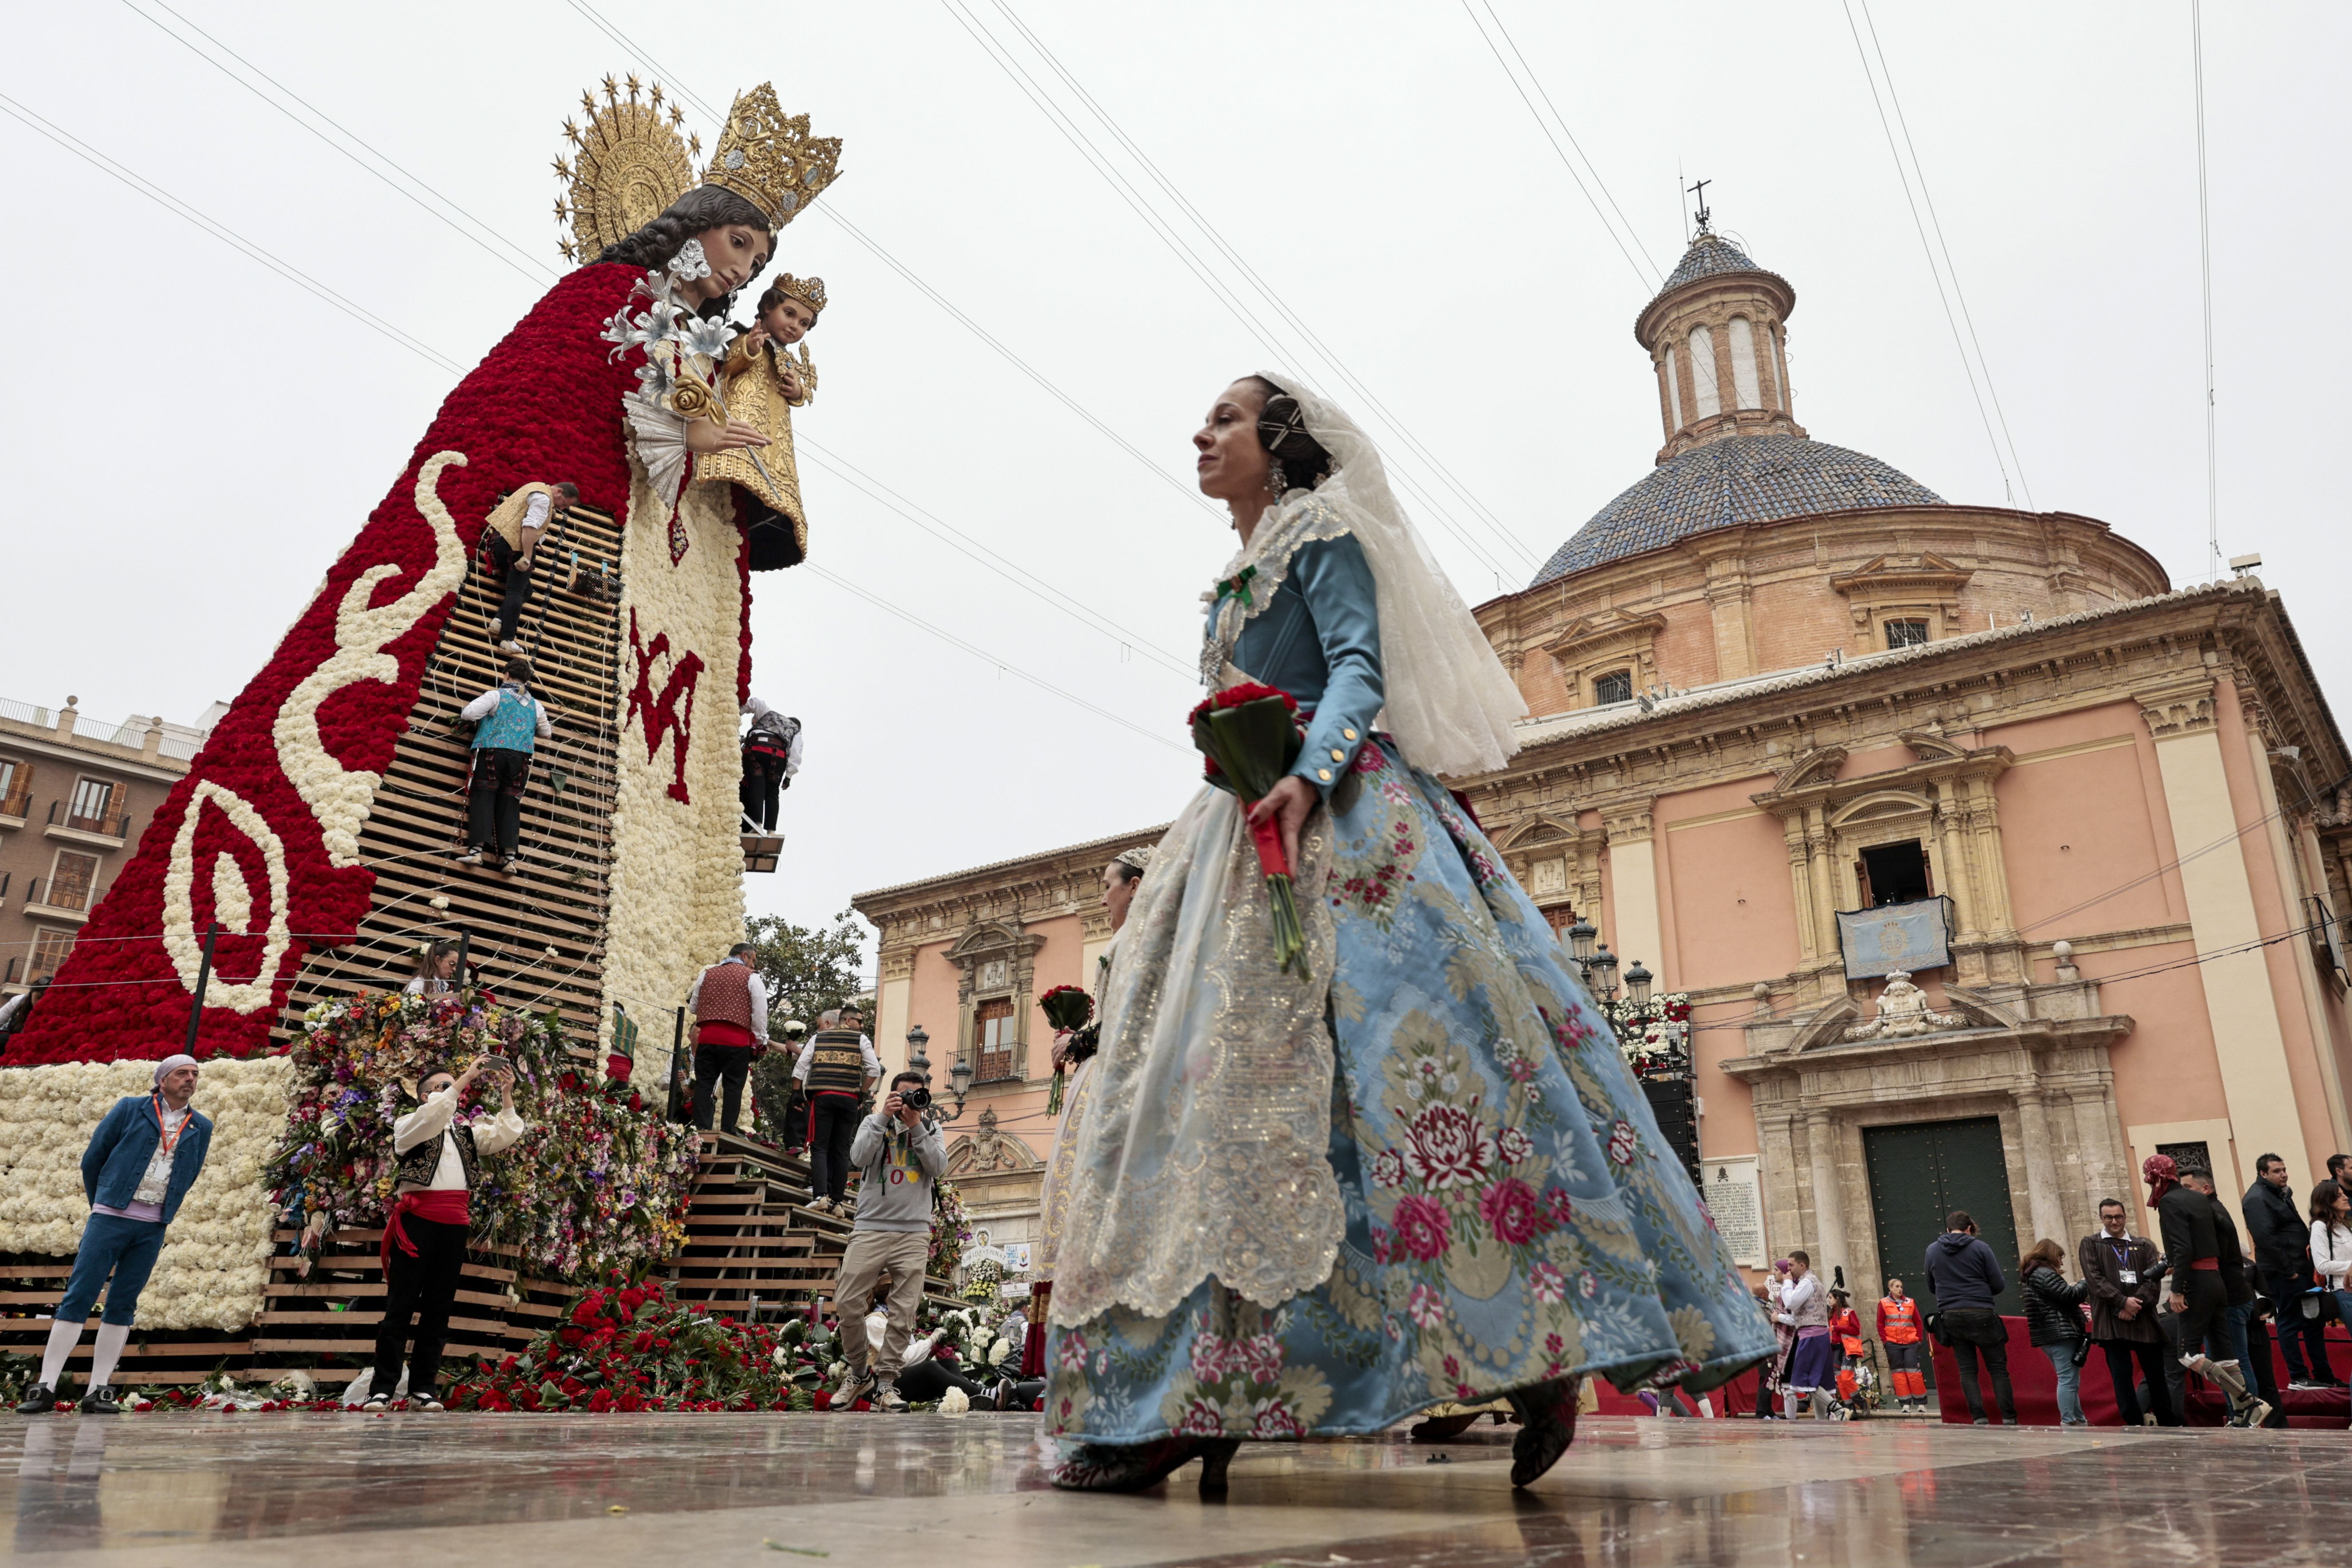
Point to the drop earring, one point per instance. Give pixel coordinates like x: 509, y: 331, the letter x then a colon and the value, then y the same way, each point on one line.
x: 1277, y: 484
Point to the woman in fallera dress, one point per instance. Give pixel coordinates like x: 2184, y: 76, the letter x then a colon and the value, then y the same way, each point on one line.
x: 1314, y: 1203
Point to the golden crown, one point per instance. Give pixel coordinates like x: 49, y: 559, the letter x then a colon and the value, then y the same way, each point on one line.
x: 628, y: 165
x: 809, y: 291
x: 769, y: 158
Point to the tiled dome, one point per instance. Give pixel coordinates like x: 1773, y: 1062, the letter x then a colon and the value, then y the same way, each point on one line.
x: 1708, y: 255
x: 1752, y: 479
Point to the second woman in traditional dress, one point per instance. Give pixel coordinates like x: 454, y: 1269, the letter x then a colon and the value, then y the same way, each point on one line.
x: 1419, y: 1172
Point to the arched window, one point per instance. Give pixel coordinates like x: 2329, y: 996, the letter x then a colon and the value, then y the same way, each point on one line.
x: 1702, y: 349
x: 1745, y: 387
x: 1781, y: 364
x: 1674, y: 386
x: 1617, y: 686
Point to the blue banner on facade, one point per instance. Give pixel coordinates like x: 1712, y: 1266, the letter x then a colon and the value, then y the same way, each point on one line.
x: 1910, y: 937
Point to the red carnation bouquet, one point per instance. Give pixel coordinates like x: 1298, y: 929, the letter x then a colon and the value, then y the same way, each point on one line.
x: 1066, y: 1007
x: 1251, y: 735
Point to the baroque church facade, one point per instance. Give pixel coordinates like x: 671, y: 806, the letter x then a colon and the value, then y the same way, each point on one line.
x: 1988, y: 863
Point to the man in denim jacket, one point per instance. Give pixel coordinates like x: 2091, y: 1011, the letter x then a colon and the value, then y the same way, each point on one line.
x: 140, y: 1163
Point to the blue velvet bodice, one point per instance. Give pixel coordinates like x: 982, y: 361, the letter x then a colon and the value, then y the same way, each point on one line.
x: 1319, y: 638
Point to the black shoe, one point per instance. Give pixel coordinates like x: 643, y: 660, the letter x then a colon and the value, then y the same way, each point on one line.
x: 39, y: 1400
x: 100, y: 1401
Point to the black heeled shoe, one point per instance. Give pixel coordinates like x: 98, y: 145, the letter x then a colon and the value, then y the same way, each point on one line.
x: 1138, y: 1466
x: 1546, y: 1414
x: 1216, y: 1455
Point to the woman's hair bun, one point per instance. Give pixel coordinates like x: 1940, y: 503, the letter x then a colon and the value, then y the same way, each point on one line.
x: 1282, y: 431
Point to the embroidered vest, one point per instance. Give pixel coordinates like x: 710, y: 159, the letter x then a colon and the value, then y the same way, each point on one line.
x: 835, y: 1064
x: 512, y: 726
x: 726, y: 996
x: 419, y: 1164
x: 506, y: 518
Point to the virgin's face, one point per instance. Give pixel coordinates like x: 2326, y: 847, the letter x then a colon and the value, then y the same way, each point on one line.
x: 789, y: 323
x: 735, y: 251
x: 1118, y: 892
x: 1232, y: 463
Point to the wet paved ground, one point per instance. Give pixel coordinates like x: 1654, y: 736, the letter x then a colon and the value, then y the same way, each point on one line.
x: 874, y: 1491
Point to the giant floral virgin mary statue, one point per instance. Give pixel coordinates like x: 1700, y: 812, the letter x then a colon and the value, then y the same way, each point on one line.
x: 604, y: 383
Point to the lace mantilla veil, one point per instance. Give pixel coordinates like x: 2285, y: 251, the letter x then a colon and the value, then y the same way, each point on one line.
x: 1202, y: 1151
x: 1449, y: 701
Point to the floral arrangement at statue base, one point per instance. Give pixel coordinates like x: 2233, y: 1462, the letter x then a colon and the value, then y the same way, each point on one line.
x: 627, y: 1348
x: 215, y: 1256
x: 598, y: 1184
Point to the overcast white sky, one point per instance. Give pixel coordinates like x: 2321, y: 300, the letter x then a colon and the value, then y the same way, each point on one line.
x: 194, y: 439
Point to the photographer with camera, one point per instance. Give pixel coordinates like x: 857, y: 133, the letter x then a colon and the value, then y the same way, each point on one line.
x: 900, y: 1152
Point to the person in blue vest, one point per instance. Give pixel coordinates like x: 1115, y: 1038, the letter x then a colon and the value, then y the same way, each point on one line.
x: 142, y: 1161
x: 509, y: 722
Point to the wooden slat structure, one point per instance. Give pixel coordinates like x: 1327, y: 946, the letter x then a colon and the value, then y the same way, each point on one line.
x: 535, y: 933
x: 30, y: 1286
x: 751, y: 1244
x: 325, y: 1322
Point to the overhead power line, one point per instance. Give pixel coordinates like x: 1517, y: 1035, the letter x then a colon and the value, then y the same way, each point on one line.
x: 1206, y: 268
x: 1645, y: 271
x: 931, y: 630
x: 831, y: 210
x: 957, y: 539
x: 1971, y: 368
x: 228, y: 235
x: 434, y: 357
x: 537, y: 269
x: 2205, y: 279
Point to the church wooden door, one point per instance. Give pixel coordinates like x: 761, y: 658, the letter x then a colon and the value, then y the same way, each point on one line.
x: 1920, y: 1172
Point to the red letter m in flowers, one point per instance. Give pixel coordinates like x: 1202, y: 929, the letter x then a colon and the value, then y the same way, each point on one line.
x: 672, y: 713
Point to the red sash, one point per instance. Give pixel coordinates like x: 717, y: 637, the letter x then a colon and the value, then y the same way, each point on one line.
x: 446, y: 1206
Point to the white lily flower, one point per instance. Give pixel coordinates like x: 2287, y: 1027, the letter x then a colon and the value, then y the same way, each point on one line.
x: 706, y: 336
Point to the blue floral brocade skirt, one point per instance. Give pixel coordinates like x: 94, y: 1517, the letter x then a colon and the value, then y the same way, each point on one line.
x: 1514, y: 1214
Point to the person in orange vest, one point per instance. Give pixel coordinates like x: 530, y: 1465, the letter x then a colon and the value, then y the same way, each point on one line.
x: 1846, y: 1329
x: 1899, y: 1331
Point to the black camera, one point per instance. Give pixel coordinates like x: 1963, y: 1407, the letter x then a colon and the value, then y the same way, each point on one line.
x: 916, y: 1097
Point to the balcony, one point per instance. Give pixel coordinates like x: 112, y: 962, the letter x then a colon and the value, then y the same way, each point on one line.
x: 108, y: 829
x: 68, y: 904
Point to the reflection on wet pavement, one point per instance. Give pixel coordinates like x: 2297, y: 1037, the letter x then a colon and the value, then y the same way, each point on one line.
x: 882, y: 1491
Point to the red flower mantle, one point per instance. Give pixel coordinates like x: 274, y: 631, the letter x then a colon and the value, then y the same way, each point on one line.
x: 544, y: 404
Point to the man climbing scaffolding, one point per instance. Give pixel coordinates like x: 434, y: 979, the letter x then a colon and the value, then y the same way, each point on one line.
x: 511, y: 534
x: 509, y: 723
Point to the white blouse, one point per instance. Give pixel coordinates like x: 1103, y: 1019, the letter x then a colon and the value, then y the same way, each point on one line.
x: 432, y: 1118
x: 2331, y: 1253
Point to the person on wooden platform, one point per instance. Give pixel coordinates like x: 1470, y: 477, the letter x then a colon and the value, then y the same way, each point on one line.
x: 772, y: 755
x: 508, y: 724
x: 140, y: 1163
x: 837, y: 1071
x: 511, y: 534
x: 437, y: 969
x: 438, y: 1158
x: 729, y: 1001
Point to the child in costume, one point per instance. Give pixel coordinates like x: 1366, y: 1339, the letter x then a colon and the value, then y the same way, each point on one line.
x: 762, y: 382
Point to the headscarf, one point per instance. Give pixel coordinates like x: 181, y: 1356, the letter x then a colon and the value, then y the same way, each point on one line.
x: 2160, y: 1174
x: 171, y: 1065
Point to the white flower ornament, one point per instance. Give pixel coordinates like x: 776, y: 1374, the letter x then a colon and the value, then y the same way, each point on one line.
x: 706, y: 336
x: 689, y: 263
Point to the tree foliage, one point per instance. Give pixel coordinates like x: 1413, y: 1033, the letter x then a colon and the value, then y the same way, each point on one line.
x: 808, y: 969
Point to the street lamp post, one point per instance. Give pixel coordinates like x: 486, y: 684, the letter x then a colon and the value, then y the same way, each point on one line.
x: 958, y: 1076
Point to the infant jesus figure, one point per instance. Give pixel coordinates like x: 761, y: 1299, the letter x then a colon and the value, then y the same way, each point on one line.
x: 761, y: 383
